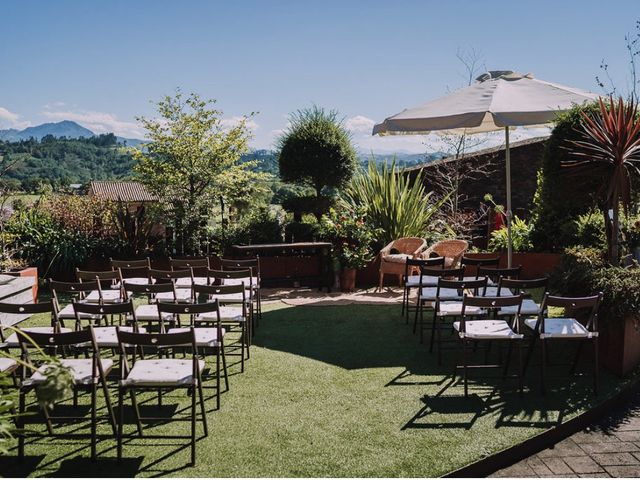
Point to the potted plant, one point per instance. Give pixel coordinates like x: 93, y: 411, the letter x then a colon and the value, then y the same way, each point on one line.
x: 351, y: 237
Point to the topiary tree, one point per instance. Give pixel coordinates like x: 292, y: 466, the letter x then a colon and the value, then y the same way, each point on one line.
x: 316, y: 151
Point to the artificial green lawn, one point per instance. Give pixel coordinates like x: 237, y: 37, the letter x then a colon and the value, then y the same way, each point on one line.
x: 332, y: 391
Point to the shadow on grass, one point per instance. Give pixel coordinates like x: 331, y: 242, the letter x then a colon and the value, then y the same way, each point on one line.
x: 102, y: 468
x: 11, y: 466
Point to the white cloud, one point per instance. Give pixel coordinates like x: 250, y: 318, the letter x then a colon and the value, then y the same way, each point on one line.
x: 97, y: 122
x: 10, y: 119
x: 359, y: 123
x: 229, y: 123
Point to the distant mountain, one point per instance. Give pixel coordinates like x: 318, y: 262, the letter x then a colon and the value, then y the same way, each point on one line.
x: 402, y: 159
x: 65, y: 128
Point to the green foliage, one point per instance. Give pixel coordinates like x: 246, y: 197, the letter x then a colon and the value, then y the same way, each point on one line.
x: 263, y: 225
x: 192, y: 159
x: 520, y: 237
x: 351, y: 234
x: 302, y: 231
x: 396, y: 206
x: 316, y: 151
x: 589, y: 230
x: 575, y: 273
x: 559, y: 199
x: 57, y: 162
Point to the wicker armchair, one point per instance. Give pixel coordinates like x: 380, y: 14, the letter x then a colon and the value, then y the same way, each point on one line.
x: 451, y: 250
x: 394, y: 263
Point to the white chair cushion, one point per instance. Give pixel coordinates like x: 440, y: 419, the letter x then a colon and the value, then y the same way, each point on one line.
x: 228, y: 314
x: 427, y: 281
x: 106, y: 336
x: 12, y: 341
x: 135, y: 281
x: 82, y: 369
x: 150, y: 313
x: 205, y: 337
x: 561, y: 328
x: 187, y: 281
x: 493, y: 292
x: 182, y: 295
x: 489, y: 281
x: 67, y: 313
x: 231, y: 298
x: 7, y: 364
x: 162, y: 372
x: 253, y: 281
x: 455, y: 309
x: 529, y: 307
x: 487, y: 330
x: 108, y: 296
x: 429, y: 293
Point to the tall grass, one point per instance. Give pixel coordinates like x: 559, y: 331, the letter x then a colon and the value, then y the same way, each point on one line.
x: 399, y: 207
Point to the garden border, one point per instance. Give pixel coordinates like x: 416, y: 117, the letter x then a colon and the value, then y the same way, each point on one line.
x: 516, y: 453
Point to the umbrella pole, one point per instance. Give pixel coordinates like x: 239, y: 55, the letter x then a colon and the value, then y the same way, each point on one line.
x: 507, y: 155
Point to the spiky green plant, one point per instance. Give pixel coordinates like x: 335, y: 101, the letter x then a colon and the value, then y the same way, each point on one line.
x: 396, y: 205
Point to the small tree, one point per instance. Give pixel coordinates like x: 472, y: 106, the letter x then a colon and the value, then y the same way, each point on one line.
x: 191, y: 160
x: 609, y: 150
x: 316, y: 151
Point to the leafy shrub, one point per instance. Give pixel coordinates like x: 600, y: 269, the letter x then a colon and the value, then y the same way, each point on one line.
x: 351, y: 235
x: 589, y: 230
x: 574, y: 275
x: 520, y: 236
x: 301, y: 231
x: 261, y: 226
x: 395, y: 205
x: 559, y: 199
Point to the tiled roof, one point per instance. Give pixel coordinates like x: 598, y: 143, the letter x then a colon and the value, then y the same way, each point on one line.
x: 125, y: 191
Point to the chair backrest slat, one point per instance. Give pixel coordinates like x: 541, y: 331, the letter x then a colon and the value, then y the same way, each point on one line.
x: 144, y: 263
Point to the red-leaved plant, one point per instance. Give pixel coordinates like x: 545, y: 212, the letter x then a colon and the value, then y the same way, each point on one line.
x: 609, y: 149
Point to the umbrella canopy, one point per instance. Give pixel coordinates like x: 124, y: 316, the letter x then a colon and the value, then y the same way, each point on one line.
x: 498, y: 100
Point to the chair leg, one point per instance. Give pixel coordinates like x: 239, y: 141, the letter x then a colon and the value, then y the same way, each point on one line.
x: 243, y: 329
x: 93, y: 422
x: 464, y: 367
x: 543, y: 365
x: 218, y: 378
x: 596, y: 366
x: 224, y: 367
x: 520, y: 368
x: 530, y: 350
x: 439, y: 334
x: 380, y: 280
x: 120, y: 421
x: 136, y: 411
x: 193, y: 428
x: 433, y: 331
x: 202, y: 409
x: 404, y: 298
x: 20, y: 421
x: 107, y: 399
x: 415, y: 316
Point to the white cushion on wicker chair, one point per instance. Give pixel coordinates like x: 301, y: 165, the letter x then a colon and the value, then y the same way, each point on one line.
x: 396, y: 257
x: 82, y: 369
x: 455, y: 309
x: 229, y: 314
x: 529, y: 307
x: 12, y: 340
x: 561, y: 328
x: 162, y: 372
x: 7, y: 364
x: 150, y: 313
x: 487, y: 330
x: 107, y: 336
x: 205, y: 337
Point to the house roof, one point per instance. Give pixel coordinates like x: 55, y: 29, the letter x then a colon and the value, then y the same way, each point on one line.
x: 478, y: 153
x: 125, y: 191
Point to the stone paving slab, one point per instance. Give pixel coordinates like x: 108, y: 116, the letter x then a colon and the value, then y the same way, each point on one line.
x: 608, y: 448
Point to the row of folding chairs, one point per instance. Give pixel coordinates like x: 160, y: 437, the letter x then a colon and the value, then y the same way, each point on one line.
x: 494, y: 305
x: 96, y: 331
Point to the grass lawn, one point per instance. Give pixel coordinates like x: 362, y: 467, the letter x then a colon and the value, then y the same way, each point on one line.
x: 332, y: 391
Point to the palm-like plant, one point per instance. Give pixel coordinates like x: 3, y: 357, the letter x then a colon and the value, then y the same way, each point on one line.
x: 394, y: 204
x: 609, y: 150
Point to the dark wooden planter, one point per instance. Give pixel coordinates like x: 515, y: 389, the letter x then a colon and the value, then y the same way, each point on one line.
x: 620, y: 346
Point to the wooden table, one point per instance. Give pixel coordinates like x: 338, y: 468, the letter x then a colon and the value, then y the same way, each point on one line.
x: 321, y: 250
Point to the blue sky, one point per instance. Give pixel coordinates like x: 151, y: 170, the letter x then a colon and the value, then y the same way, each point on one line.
x: 102, y: 63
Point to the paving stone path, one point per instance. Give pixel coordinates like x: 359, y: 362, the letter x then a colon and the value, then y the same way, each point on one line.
x: 608, y: 448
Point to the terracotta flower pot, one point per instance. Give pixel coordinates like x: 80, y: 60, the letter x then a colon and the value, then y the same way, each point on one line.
x: 348, y: 280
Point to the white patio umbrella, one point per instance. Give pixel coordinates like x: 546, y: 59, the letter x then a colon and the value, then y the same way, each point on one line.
x: 498, y: 100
